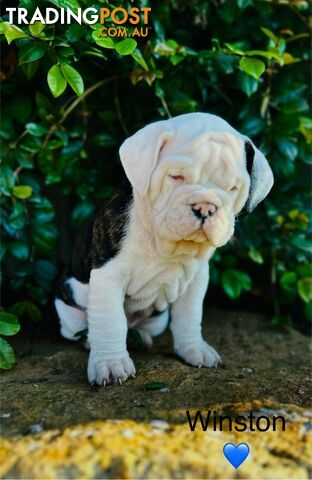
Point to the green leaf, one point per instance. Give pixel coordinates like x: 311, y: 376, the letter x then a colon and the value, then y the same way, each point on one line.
x: 166, y: 49
x: 72, y: 4
x: 7, y: 357
x: 247, y: 84
x: 12, y: 32
x: 7, y: 180
x: 56, y: 81
x: 19, y: 250
x: 30, y: 69
x: 3, y: 27
x: 303, y: 244
x: 244, y: 3
x: 81, y: 213
x: 43, y: 212
x: 36, y: 129
x: 305, y: 289
x: 234, y: 282
x: 288, y: 281
x: 264, y: 54
x: 17, y: 219
x: 135, y: 338
x: 26, y: 308
x: 287, y: 147
x: 32, y: 52
x: 234, y: 49
x: 252, y: 66
x: 155, y: 385
x: 73, y: 78
x: 105, y: 42
x: 9, y: 324
x: 44, y: 236
x: 306, y: 128
x: 296, y: 106
x: 36, y: 28
x: 126, y: 47
x: 45, y: 271
x: 176, y: 59
x: 22, y: 191
x: 253, y: 126
x: 138, y: 57
x: 269, y: 34
x: 255, y: 255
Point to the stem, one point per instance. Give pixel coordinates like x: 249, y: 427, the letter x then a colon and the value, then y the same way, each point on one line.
x: 118, y: 110
x: 276, y: 306
x: 74, y: 104
x: 165, y: 106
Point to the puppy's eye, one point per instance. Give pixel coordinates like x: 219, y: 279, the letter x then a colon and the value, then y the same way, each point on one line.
x: 177, y: 178
x: 234, y: 189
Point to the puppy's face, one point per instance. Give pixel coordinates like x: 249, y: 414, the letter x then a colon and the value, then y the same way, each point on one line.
x: 198, y: 188
x: 196, y: 173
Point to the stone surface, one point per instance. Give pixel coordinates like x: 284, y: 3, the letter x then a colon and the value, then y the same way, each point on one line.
x: 265, y: 370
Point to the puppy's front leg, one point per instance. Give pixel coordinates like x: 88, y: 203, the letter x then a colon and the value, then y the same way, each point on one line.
x: 109, y: 360
x: 186, y: 313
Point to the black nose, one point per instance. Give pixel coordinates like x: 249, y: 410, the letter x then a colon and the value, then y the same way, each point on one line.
x: 202, y: 210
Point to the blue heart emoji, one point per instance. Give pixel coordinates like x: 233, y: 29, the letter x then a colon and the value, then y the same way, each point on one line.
x: 236, y: 455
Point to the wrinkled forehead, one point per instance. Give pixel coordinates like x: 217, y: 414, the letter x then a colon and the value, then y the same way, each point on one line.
x: 213, y: 150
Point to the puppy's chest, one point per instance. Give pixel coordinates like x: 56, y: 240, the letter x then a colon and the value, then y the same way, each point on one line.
x: 157, y: 284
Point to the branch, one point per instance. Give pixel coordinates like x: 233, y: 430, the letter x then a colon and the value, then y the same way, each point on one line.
x: 165, y: 106
x: 118, y: 110
x: 74, y: 104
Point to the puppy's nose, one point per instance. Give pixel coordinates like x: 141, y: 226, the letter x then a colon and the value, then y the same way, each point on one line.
x: 202, y: 210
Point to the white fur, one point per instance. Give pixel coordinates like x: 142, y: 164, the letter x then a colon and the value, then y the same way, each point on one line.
x: 72, y: 319
x: 80, y: 292
x: 163, y: 261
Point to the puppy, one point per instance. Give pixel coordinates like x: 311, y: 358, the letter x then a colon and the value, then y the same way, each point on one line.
x: 145, y: 256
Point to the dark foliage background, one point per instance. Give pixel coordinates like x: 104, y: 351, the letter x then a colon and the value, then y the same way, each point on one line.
x: 246, y: 60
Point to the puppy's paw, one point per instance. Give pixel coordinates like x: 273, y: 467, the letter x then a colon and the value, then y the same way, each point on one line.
x: 103, y: 371
x: 199, y: 354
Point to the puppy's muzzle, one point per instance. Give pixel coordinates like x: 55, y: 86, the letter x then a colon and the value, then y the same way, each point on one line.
x: 203, y: 210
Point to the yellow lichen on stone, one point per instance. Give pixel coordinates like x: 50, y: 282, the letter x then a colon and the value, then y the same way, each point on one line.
x: 126, y: 449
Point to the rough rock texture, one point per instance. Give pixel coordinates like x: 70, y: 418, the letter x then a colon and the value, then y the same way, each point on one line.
x: 266, y: 370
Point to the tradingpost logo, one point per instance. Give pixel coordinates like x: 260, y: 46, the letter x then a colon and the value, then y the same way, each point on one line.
x: 116, y: 22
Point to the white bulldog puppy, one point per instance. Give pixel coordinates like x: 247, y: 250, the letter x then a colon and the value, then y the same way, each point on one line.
x: 144, y: 258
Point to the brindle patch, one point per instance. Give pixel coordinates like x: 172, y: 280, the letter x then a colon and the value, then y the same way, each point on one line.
x: 99, y: 241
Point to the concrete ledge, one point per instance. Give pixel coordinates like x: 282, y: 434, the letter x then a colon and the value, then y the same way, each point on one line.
x: 127, y: 449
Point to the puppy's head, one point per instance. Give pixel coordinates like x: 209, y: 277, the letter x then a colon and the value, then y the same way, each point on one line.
x: 196, y: 173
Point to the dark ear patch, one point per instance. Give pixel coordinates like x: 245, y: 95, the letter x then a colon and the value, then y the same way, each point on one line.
x: 250, y: 155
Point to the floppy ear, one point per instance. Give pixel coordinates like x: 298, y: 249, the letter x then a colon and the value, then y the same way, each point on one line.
x: 139, y: 154
x: 261, y: 176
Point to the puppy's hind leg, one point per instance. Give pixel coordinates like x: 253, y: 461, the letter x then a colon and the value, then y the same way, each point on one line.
x: 72, y: 320
x: 70, y: 304
x: 153, y: 326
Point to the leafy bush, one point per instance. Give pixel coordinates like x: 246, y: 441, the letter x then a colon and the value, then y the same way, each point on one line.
x: 9, y: 325
x: 71, y: 97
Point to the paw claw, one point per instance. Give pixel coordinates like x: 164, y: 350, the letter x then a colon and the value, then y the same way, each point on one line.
x: 200, y: 355
x: 104, y: 372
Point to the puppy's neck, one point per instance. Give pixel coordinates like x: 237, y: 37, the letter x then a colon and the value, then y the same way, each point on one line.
x: 141, y: 226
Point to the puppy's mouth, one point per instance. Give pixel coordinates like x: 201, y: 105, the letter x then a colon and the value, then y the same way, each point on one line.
x: 198, y: 236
